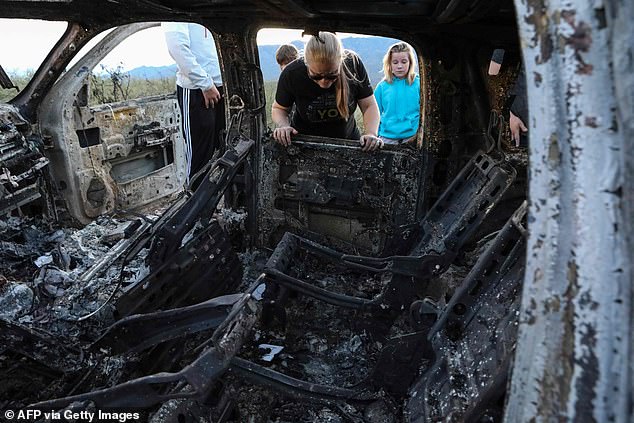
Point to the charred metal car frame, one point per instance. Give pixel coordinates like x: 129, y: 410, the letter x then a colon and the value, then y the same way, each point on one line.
x: 567, y: 338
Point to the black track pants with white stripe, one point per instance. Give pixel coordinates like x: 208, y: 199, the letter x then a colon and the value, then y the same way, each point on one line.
x: 201, y: 127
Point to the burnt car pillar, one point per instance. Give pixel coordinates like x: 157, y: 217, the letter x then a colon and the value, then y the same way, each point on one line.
x: 574, y: 352
x: 245, y: 105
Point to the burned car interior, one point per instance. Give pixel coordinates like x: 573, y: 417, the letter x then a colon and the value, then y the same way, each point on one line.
x: 312, y: 283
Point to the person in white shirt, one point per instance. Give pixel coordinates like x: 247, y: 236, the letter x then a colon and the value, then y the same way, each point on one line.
x: 199, y: 90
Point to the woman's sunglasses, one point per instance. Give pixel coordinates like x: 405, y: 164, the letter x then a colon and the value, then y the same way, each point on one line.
x: 327, y: 76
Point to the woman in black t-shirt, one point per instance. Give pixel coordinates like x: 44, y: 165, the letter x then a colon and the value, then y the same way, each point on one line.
x: 325, y: 86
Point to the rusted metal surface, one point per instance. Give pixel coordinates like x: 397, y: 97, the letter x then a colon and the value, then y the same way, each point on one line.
x: 575, y: 339
x: 246, y: 114
x: 102, y: 158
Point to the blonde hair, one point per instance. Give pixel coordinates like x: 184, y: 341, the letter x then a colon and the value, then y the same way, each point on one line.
x: 285, y: 54
x: 387, y: 61
x: 326, y: 48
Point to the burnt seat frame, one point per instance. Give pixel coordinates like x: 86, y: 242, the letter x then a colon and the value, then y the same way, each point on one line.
x: 449, y: 225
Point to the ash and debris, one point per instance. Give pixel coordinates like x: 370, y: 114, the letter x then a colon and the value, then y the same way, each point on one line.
x: 233, y: 221
x: 43, y: 267
x: 318, y: 343
x: 314, y: 342
x: 42, y: 288
x: 253, y: 262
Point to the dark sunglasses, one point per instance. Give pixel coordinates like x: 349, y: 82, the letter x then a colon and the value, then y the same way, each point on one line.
x: 327, y: 76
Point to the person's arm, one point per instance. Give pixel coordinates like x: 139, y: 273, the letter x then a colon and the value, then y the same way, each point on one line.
x: 378, y: 95
x: 516, y: 125
x: 283, y: 129
x: 369, y: 140
x: 280, y: 112
x: 496, y: 61
x: 519, y: 108
x: 179, y: 47
x: 367, y: 103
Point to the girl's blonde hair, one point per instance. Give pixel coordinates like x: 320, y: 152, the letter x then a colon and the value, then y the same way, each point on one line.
x: 387, y: 61
x: 326, y: 48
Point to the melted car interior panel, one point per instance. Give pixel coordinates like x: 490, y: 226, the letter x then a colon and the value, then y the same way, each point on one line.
x: 22, y: 165
x: 324, y: 187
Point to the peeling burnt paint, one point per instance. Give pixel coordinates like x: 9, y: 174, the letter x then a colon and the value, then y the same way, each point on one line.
x: 554, y: 155
x: 575, y: 158
x: 591, y: 121
x: 588, y: 364
x: 563, y: 388
x: 580, y: 41
x: 586, y: 301
x: 552, y: 305
x: 540, y: 21
x: 601, y: 18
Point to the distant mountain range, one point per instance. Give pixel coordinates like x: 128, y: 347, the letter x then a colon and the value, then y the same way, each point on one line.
x: 370, y: 49
x: 153, y: 72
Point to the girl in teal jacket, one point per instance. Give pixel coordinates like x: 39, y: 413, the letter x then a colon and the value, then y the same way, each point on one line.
x: 398, y: 96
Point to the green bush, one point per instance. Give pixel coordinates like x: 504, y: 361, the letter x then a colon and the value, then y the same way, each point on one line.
x: 116, y: 85
x: 20, y: 80
x: 111, y: 86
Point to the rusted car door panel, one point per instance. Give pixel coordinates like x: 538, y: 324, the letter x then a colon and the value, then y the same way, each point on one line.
x: 111, y: 156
